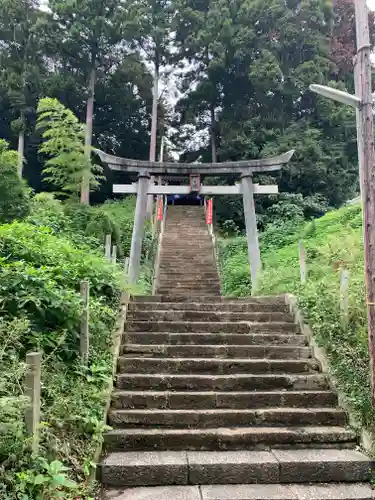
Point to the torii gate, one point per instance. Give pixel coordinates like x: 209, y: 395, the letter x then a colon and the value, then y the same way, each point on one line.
x: 245, y: 169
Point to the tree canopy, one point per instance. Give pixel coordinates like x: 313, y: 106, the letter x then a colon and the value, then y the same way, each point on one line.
x: 242, y: 68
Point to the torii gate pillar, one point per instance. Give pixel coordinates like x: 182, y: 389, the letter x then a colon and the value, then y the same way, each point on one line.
x: 138, y: 227
x: 251, y: 228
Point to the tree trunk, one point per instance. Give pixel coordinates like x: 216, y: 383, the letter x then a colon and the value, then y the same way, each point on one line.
x: 21, y: 147
x: 85, y: 187
x: 154, y: 123
x: 213, y: 135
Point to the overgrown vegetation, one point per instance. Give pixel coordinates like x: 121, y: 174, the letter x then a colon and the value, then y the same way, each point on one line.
x: 43, y: 258
x: 332, y: 242
x: 14, y: 200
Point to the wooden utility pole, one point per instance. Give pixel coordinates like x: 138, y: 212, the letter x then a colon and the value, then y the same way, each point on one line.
x: 154, y: 126
x: 367, y: 170
x: 362, y: 101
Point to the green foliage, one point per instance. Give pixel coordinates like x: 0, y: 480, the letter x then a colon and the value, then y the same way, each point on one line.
x: 41, y: 269
x: 52, y: 480
x: 234, y: 267
x: 87, y: 225
x: 21, y: 59
x: 73, y: 400
x: 64, y: 144
x: 332, y: 242
x: 249, y: 87
x: 41, y: 276
x: 14, y: 199
x: 122, y: 212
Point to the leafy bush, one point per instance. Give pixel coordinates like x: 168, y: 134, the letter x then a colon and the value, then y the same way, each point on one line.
x: 41, y: 278
x: 41, y: 305
x: 234, y: 264
x: 122, y: 212
x: 88, y: 225
x: 14, y: 199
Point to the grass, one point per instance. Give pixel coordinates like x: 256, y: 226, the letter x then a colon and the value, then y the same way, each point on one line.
x: 332, y: 242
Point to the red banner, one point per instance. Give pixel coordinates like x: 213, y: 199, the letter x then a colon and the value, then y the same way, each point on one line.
x: 209, y: 211
x: 160, y: 210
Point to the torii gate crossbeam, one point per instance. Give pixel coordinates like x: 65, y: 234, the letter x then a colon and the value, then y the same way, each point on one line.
x: 245, y: 169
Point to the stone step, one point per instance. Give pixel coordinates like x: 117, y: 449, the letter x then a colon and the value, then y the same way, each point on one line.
x: 200, y: 244
x: 204, y: 338
x: 166, y: 280
x: 172, y: 292
x: 195, y: 272
x: 229, y: 438
x: 219, y: 351
x: 199, y: 252
x: 212, y: 327
x: 250, y: 400
x: 183, y: 288
x: 192, y: 265
x: 214, y: 291
x: 237, y: 382
x: 207, y: 307
x: 334, y: 491
x: 240, y: 467
x: 202, y: 274
x: 208, y: 418
x: 201, y: 255
x: 165, y: 277
x: 214, y: 366
x: 232, y: 300
x: 192, y: 271
x: 208, y: 316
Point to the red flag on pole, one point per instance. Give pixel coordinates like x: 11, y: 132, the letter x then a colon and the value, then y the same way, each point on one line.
x: 209, y: 212
x: 160, y: 210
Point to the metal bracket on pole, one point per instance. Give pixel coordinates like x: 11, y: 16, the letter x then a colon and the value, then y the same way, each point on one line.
x: 337, y: 95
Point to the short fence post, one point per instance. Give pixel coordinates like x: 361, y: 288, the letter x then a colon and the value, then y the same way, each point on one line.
x: 32, y: 391
x: 84, y: 337
x: 302, y: 261
x: 344, y: 297
x: 107, y: 248
x: 114, y: 254
x: 126, y: 265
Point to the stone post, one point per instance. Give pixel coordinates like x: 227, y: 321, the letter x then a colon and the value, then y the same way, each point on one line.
x: 84, y: 339
x: 114, y: 254
x: 32, y: 391
x: 138, y: 227
x: 107, y: 247
x: 251, y: 228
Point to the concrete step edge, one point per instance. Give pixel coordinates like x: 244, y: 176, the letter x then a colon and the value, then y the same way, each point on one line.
x: 318, y: 491
x: 229, y: 438
x: 262, y: 467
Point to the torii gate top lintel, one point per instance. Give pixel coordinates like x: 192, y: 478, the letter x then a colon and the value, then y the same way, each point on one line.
x: 170, y: 168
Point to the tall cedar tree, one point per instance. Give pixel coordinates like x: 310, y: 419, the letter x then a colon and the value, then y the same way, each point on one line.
x: 21, y: 61
x: 89, y: 33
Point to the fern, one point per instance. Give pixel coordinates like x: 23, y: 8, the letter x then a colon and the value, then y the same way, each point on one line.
x: 63, y: 141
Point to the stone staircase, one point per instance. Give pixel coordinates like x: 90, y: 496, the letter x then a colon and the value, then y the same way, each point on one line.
x: 187, y: 265
x: 219, y: 398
